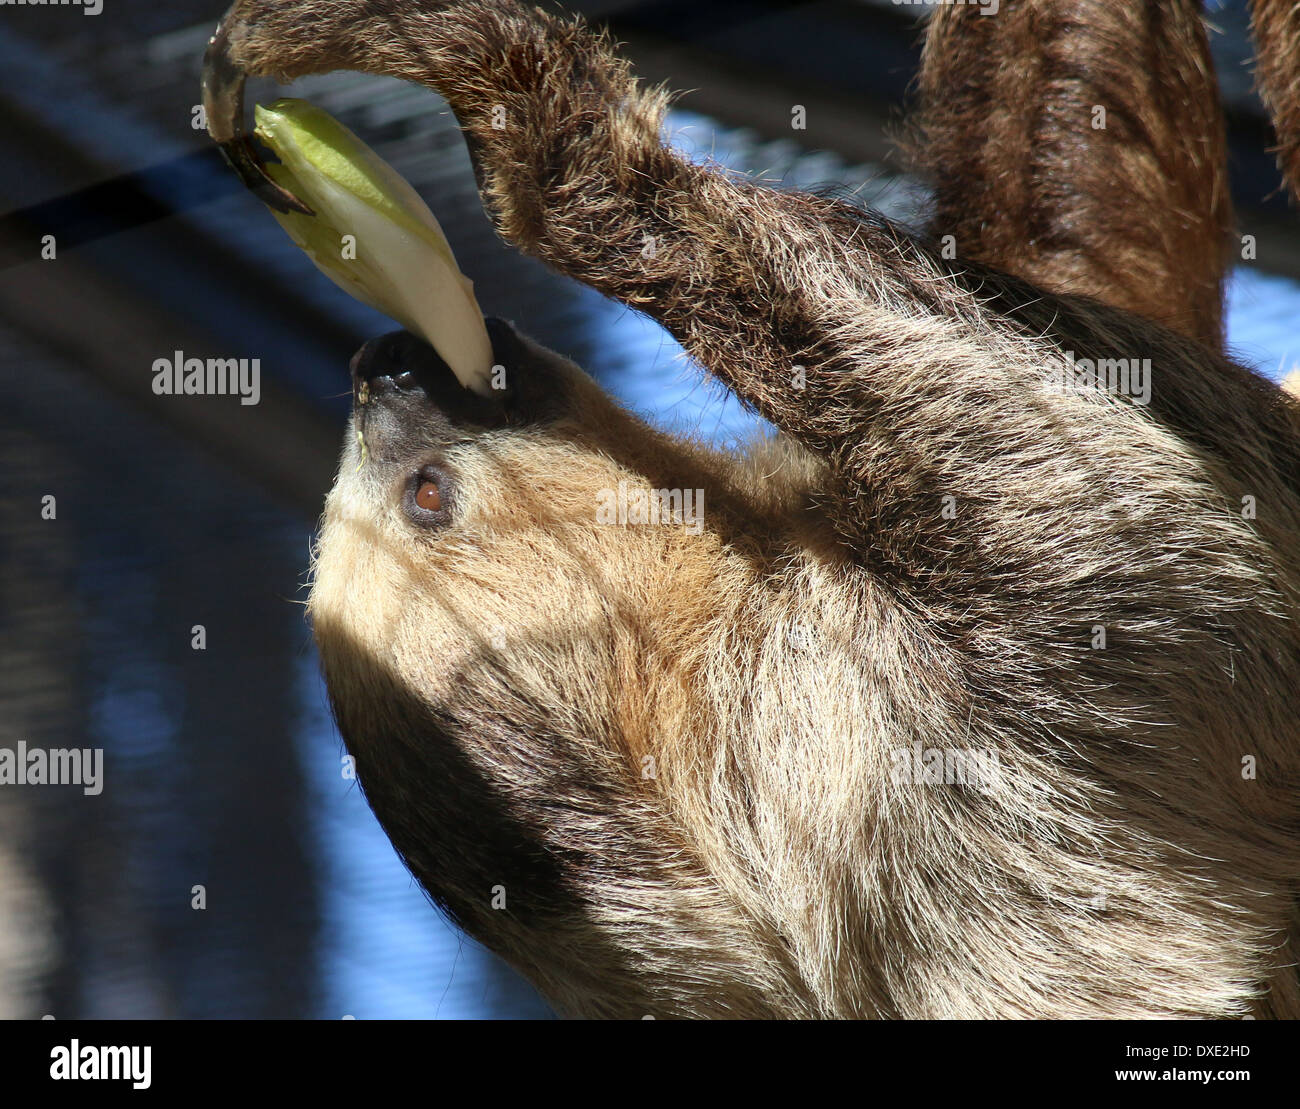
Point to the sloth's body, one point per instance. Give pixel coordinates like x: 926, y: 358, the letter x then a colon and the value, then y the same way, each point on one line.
x: 700, y: 767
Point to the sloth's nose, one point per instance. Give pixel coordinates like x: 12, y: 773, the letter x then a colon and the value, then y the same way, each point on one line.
x: 401, y: 387
x: 395, y: 362
x: 399, y: 382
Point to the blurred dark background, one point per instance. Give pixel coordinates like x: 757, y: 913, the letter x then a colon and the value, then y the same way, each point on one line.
x: 222, y: 766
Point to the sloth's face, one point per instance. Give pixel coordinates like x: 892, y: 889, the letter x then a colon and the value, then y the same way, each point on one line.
x: 464, y: 529
x: 504, y: 642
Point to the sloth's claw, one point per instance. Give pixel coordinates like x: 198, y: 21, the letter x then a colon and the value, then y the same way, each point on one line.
x: 223, y: 105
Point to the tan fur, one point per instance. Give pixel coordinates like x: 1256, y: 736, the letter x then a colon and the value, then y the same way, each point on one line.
x: 503, y: 681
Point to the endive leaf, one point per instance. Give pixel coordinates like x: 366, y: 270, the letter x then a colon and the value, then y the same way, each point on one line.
x: 403, y: 265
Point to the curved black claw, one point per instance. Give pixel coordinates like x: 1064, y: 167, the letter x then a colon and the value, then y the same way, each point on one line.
x: 223, y: 105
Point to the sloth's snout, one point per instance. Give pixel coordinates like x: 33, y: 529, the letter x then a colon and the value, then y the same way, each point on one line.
x: 400, y: 365
x: 404, y: 395
x: 387, y: 364
x: 401, y: 385
x: 401, y: 374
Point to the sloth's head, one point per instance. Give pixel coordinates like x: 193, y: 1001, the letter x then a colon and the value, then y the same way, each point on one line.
x: 513, y: 597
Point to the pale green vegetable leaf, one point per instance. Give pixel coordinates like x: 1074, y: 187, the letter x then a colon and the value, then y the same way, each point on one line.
x: 398, y: 261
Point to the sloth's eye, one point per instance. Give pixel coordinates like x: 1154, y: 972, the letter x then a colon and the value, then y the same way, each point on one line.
x: 425, y: 499
x: 428, y: 497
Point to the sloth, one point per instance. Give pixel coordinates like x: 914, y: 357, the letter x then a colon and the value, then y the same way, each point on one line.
x: 969, y: 691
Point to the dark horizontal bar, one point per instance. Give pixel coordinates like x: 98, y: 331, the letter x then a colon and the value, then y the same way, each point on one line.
x: 117, y: 204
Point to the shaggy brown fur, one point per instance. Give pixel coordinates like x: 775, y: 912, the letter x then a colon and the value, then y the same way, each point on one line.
x: 677, y: 754
x: 1132, y: 206
x: 1277, y: 36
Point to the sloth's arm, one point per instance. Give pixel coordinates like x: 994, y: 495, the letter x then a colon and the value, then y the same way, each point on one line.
x: 1080, y: 145
x: 922, y: 387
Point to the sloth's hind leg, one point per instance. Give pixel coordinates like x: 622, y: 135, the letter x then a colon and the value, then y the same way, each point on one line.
x: 1080, y: 144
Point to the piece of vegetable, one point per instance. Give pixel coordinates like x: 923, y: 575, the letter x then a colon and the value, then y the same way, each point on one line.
x: 398, y: 260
